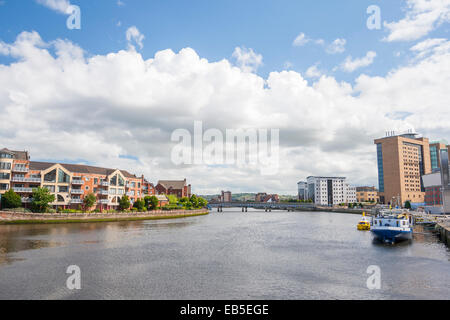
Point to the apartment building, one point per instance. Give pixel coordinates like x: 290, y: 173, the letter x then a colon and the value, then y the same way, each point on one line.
x: 70, y: 183
x: 225, y: 196
x: 330, y: 191
x: 302, y: 187
x: 367, y: 194
x: 179, y: 188
x: 402, y: 161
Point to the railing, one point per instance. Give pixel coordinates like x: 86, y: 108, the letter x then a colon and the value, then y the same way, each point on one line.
x: 77, y: 181
x: 21, y: 179
x: 105, y: 201
x: 130, y: 194
x: 27, y: 200
x: 103, y: 192
x: 104, y: 183
x: 77, y: 191
x: 75, y: 201
x: 23, y: 190
x: 20, y: 169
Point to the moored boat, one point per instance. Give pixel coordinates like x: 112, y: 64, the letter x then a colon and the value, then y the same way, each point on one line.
x: 392, y: 226
x: 364, y: 223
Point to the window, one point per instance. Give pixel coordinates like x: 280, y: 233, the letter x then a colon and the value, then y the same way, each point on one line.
x: 63, y: 189
x: 50, y: 188
x: 6, y: 156
x: 87, y: 187
x: 5, y: 166
x: 50, y: 177
x: 4, y: 176
x: 121, y: 181
x: 95, y: 181
x: 63, y: 177
x: 4, y: 186
x: 113, y: 181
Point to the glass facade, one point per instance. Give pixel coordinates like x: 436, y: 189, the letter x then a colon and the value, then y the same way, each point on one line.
x: 434, y: 158
x: 380, y: 168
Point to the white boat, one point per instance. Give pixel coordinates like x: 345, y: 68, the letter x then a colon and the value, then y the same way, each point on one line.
x: 392, y: 226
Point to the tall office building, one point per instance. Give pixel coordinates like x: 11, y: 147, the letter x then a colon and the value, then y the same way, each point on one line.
x: 435, y: 149
x: 402, y: 161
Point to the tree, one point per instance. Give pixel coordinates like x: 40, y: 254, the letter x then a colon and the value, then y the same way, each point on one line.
x: 151, y: 202
x: 11, y: 200
x: 140, y: 205
x: 194, y: 201
x: 124, y: 203
x: 408, y: 204
x: 202, y: 202
x: 173, y: 200
x: 89, y: 201
x: 41, y: 199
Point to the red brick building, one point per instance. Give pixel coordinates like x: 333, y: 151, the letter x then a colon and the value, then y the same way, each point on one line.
x: 178, y: 188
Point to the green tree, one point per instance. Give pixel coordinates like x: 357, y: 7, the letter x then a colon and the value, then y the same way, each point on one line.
x: 408, y: 204
x: 11, y: 200
x: 202, y: 203
x: 173, y: 200
x: 194, y: 201
x: 41, y: 199
x: 124, y: 203
x: 140, y: 205
x: 89, y: 201
x: 151, y: 202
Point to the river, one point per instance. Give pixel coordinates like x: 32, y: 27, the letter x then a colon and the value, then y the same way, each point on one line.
x: 229, y: 255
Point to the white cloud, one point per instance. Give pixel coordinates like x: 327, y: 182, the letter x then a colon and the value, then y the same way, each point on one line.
x: 422, y: 17
x: 313, y: 72
x: 134, y: 36
x: 247, y: 59
x: 120, y: 3
x: 337, y: 46
x: 300, y: 40
x: 350, y: 65
x: 65, y: 104
x: 60, y: 6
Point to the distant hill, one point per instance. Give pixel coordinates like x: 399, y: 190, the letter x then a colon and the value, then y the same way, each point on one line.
x: 242, y: 197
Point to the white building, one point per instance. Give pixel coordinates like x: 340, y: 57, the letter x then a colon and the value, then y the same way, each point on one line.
x: 349, y: 193
x: 329, y: 191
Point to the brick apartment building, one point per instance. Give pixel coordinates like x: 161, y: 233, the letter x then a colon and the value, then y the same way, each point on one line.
x: 70, y: 183
x: 178, y: 188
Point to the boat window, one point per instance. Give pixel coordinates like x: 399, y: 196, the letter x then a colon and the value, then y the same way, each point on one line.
x: 397, y: 223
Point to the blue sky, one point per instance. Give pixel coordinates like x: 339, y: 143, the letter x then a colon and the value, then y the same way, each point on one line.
x: 215, y: 28
x: 115, y: 91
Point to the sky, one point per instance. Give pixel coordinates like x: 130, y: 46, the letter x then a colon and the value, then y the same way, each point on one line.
x: 113, y: 91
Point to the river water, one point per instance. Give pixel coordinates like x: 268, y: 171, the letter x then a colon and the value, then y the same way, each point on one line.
x: 229, y: 255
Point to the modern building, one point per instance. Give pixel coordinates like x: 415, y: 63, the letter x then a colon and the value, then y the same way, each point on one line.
x: 70, y: 183
x: 330, y: 191
x: 402, y: 161
x: 302, y: 190
x: 433, y: 189
x: 225, y: 196
x: 178, y: 188
x: 367, y: 194
x: 435, y: 149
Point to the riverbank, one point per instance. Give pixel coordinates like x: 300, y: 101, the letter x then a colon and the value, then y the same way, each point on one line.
x: 443, y: 228
x: 50, y: 218
x: 337, y: 210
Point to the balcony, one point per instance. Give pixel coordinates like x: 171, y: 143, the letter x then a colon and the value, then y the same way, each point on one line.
x: 27, y: 200
x: 104, y: 183
x: 77, y: 191
x: 21, y: 179
x: 103, y: 192
x: 20, y: 169
x: 76, y: 201
x: 103, y: 201
x: 23, y: 190
x: 77, y: 181
x: 130, y: 194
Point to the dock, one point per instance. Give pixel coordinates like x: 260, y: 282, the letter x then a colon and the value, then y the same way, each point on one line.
x: 443, y: 229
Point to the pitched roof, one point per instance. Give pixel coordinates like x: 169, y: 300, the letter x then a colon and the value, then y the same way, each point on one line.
x: 79, y: 168
x: 19, y: 155
x: 174, y: 184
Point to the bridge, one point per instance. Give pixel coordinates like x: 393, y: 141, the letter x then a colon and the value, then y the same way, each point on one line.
x: 267, y: 206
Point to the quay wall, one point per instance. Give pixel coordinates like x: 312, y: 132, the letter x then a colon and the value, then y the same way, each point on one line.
x: 443, y: 229
x: 7, y: 217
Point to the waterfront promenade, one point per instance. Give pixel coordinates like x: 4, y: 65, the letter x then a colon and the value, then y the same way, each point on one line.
x: 7, y: 217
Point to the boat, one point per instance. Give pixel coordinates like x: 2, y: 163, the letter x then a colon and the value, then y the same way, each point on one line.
x: 364, y: 223
x: 392, y: 226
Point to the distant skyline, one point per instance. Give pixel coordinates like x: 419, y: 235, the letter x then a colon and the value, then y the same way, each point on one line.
x: 112, y: 93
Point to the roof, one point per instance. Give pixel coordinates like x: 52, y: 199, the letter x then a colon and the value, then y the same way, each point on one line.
x: 19, y: 155
x: 79, y: 168
x: 174, y: 184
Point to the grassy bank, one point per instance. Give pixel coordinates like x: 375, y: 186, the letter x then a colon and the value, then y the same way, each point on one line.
x: 91, y: 220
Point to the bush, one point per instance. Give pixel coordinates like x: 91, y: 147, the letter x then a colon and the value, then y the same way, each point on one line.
x: 11, y: 200
x: 139, y: 205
